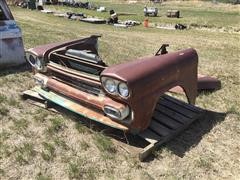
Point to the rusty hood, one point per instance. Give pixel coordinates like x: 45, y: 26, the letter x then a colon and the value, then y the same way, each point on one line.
x: 148, y: 67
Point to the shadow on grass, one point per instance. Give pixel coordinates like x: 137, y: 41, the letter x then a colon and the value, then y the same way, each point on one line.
x: 194, y: 133
x: 12, y: 70
x: 178, y: 145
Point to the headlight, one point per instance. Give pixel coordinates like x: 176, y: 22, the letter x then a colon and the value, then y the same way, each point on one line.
x: 123, y: 89
x: 115, y: 87
x: 110, y: 85
x: 32, y: 60
x: 36, y: 62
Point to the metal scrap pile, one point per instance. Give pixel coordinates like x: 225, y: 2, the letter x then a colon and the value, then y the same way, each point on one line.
x: 86, y: 5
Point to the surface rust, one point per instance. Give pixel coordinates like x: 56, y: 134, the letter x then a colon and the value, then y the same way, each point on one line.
x: 147, y: 78
x: 204, y: 83
x: 96, y: 101
x: 79, y: 109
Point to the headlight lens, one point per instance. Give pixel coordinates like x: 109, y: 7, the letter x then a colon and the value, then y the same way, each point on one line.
x: 123, y: 89
x: 115, y: 87
x: 110, y: 85
x: 32, y: 60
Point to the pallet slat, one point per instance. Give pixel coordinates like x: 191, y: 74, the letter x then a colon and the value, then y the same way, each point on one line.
x: 171, y: 117
x: 160, y: 129
x: 150, y: 136
x: 186, y: 105
x: 172, y: 114
x: 178, y: 108
x: 166, y: 120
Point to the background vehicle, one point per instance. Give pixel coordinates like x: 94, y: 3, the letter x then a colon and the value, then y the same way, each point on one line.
x: 11, y: 45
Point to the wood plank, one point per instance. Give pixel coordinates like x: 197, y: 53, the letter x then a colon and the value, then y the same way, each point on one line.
x: 172, y: 114
x: 166, y: 120
x: 178, y: 108
x: 150, y: 136
x: 160, y: 129
x: 186, y: 105
x: 31, y: 94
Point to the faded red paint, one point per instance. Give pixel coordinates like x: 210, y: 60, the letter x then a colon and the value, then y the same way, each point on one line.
x: 147, y: 79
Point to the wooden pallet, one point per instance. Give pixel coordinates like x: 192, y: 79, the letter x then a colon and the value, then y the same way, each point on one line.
x: 170, y: 118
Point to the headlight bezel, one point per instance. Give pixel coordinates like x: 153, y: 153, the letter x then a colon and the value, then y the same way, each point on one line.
x: 117, y: 83
x: 36, y: 62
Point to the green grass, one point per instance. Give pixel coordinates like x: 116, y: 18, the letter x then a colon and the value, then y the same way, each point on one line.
x: 48, y: 153
x: 42, y: 177
x: 20, y: 125
x: 36, y: 143
x: 104, y: 143
x: 40, y: 115
x: 2, y: 98
x: 25, y: 153
x: 81, y: 128
x: 4, y: 111
x: 57, y: 124
x: 84, y: 145
x: 76, y: 170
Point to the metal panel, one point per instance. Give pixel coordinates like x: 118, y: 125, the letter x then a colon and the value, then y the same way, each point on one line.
x: 11, y: 45
x: 79, y: 109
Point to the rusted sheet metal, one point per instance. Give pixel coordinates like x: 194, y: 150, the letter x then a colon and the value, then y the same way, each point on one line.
x: 149, y: 78
x: 11, y: 45
x: 79, y: 109
x: 208, y: 83
x: 55, y: 67
x: 85, y: 43
x: 205, y: 83
x: 96, y: 101
x: 146, y: 79
x: 72, y: 74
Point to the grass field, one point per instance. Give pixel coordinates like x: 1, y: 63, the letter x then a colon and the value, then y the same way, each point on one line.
x: 38, y: 144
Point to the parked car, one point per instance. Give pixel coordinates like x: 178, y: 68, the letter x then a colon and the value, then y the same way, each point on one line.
x: 11, y: 45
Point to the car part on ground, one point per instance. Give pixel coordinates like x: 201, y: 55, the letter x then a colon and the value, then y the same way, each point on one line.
x: 93, y: 20
x: 173, y: 13
x: 150, y: 11
x: 172, y: 27
x: 205, y: 83
x: 12, y: 50
x: 126, y: 93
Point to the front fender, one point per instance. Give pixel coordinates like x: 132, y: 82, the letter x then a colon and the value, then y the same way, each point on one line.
x: 149, y: 78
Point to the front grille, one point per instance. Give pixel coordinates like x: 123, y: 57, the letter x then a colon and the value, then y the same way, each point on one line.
x: 93, y: 89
